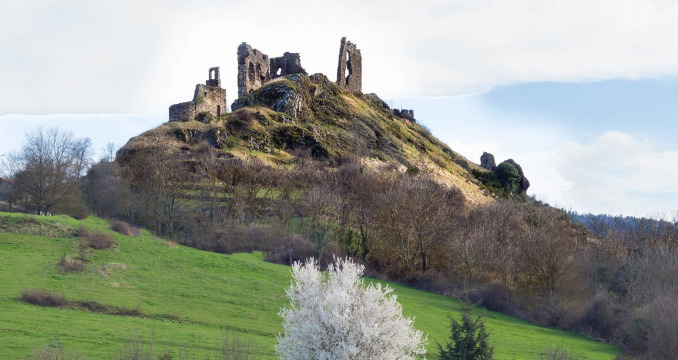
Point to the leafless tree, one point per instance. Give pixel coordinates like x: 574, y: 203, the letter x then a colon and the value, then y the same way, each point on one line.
x: 46, y: 169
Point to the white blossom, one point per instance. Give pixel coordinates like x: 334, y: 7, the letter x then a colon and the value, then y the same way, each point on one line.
x: 338, y: 317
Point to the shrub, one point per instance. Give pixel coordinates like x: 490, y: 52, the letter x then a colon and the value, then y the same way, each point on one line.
x: 468, y: 339
x: 338, y: 317
x: 42, y: 297
x: 509, y: 177
x: 96, y: 240
x: 124, y: 228
x: 663, y: 336
x: 295, y: 249
x: 69, y: 264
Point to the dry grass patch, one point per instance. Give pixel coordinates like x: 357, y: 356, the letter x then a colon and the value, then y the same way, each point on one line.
x: 124, y: 228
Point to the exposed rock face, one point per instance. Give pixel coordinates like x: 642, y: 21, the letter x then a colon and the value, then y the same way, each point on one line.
x: 350, y: 69
x: 524, y: 183
x: 288, y: 64
x: 253, y: 69
x: 278, y: 96
x: 487, y: 161
x: 209, y: 98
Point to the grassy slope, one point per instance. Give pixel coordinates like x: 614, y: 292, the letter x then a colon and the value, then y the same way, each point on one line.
x: 207, y: 292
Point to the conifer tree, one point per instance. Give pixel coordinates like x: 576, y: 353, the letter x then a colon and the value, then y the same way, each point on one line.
x: 468, y: 339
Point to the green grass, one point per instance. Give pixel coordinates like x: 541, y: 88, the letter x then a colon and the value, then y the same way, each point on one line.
x: 189, y: 298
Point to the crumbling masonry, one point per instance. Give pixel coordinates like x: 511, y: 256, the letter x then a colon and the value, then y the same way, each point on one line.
x: 350, y: 69
x: 209, y: 98
x: 255, y: 68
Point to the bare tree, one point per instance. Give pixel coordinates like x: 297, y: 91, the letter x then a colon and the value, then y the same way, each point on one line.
x: 47, y: 167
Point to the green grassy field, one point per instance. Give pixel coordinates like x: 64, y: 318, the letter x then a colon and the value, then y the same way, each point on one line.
x: 189, y: 298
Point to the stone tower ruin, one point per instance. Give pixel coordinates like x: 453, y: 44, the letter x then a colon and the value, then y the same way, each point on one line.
x: 209, y: 98
x: 350, y: 69
x: 255, y: 68
x: 288, y: 64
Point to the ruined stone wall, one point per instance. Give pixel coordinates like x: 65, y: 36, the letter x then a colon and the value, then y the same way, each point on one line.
x: 350, y: 69
x: 211, y: 99
x: 182, y: 112
x: 214, y: 78
x: 253, y: 69
x: 288, y: 64
x: 404, y: 113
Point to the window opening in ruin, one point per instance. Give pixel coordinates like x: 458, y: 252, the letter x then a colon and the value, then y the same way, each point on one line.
x: 205, y: 93
x: 251, y: 74
x: 348, y: 71
x: 212, y: 74
x: 279, y: 72
x: 260, y: 74
x: 218, y: 110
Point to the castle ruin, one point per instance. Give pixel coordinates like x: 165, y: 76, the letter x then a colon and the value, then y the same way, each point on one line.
x: 350, y: 69
x: 209, y: 98
x: 255, y: 69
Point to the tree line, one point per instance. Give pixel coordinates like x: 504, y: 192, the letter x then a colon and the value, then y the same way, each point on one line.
x: 517, y: 256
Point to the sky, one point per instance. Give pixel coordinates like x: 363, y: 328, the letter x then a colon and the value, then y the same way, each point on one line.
x: 582, y: 94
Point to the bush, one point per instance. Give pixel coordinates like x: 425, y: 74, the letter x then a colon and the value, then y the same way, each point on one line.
x: 124, y: 228
x: 663, y: 336
x: 296, y: 249
x: 69, y: 264
x: 42, y: 297
x: 338, y: 317
x: 73, y: 206
x: 95, y: 240
x: 496, y: 297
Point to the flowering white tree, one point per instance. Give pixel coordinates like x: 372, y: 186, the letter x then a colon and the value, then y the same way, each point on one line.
x: 339, y: 317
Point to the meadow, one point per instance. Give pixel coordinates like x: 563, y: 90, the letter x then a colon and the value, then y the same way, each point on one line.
x: 186, y: 299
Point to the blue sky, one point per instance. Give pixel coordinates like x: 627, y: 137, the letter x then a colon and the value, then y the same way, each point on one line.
x: 581, y: 93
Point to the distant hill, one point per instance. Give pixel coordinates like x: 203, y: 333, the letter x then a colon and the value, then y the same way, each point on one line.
x: 298, y: 114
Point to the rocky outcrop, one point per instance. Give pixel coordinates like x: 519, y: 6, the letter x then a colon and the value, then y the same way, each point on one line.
x: 487, y: 161
x: 280, y: 96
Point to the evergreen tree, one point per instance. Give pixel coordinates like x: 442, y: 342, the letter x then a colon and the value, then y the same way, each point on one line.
x: 468, y: 340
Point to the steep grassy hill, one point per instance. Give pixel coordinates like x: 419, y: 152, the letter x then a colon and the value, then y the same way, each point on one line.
x: 185, y: 297
x: 310, y: 114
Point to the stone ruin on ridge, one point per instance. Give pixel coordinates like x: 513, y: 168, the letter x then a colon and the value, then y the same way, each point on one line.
x: 350, y: 69
x: 255, y: 68
x: 209, y: 98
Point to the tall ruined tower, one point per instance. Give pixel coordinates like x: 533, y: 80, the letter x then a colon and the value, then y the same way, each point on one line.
x: 253, y: 69
x: 350, y: 69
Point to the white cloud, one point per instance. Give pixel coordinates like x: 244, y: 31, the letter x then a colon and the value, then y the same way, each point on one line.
x: 129, y: 56
x: 616, y: 173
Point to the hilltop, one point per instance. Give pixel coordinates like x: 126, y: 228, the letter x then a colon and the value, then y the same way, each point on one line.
x: 296, y: 115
